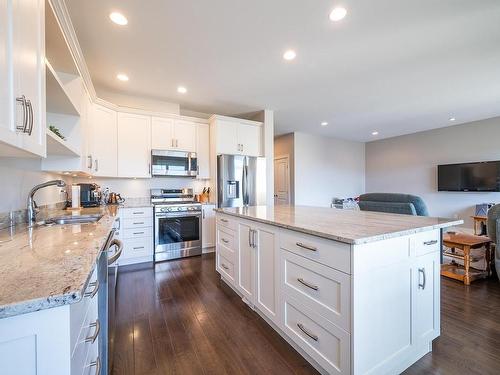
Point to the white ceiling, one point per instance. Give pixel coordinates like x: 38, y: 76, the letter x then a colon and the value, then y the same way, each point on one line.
x: 396, y: 66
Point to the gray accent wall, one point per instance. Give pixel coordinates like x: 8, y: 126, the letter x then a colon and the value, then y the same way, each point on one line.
x: 408, y: 164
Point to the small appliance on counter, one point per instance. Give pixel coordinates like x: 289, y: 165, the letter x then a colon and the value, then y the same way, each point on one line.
x: 90, y: 195
x: 115, y: 198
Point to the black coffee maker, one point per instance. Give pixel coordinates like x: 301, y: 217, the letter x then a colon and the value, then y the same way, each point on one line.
x: 90, y: 195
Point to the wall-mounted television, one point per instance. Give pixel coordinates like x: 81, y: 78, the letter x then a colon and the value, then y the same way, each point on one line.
x: 482, y: 176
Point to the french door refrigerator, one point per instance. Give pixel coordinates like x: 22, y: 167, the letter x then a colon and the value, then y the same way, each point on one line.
x: 241, y: 181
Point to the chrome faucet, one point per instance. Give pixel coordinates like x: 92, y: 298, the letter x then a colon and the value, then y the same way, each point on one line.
x: 32, y: 207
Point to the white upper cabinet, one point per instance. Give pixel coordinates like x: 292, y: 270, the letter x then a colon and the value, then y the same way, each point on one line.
x: 134, y: 145
x: 237, y: 136
x: 185, y: 135
x: 170, y: 134
x: 203, y: 151
x: 162, y: 133
x: 103, y: 144
x: 22, y: 73
x: 226, y: 138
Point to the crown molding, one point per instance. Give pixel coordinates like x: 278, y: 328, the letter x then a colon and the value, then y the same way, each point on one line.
x: 62, y: 15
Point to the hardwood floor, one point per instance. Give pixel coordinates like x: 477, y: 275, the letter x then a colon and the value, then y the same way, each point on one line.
x: 178, y: 318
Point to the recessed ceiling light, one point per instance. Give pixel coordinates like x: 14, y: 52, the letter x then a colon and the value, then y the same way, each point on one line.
x: 289, y: 55
x: 122, y: 77
x: 118, y: 18
x: 181, y: 90
x: 375, y: 133
x: 452, y: 119
x: 337, y: 14
x: 324, y: 123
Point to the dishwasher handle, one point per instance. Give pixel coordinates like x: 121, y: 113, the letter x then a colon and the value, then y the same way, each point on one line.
x: 118, y: 253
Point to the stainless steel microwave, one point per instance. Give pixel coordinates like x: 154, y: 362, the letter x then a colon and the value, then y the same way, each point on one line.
x: 174, y: 163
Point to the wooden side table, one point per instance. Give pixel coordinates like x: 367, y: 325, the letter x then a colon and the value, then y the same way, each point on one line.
x: 466, y: 242
x: 479, y: 221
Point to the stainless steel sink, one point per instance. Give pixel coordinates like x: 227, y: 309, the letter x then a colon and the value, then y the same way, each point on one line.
x: 80, y: 219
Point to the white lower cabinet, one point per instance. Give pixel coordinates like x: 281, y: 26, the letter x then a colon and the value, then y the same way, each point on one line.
x: 136, y: 233
x: 350, y: 309
x: 208, y: 226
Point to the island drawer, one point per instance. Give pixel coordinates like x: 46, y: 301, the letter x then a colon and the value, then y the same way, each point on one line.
x: 226, y: 221
x: 137, y: 222
x: 425, y: 242
x: 226, y: 238
x: 321, y: 288
x: 132, y: 213
x: 225, y: 267
x: 326, y: 343
x: 330, y: 253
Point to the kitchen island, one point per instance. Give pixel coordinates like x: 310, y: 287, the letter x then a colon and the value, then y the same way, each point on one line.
x: 354, y: 292
x: 52, y: 292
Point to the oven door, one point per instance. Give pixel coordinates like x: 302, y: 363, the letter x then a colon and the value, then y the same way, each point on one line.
x: 177, y: 235
x: 174, y: 163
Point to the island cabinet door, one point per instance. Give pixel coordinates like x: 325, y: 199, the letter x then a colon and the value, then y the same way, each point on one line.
x: 267, y: 272
x: 426, y: 288
x: 246, y: 263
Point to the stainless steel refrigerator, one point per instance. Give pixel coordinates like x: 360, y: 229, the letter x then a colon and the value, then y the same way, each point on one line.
x: 241, y: 181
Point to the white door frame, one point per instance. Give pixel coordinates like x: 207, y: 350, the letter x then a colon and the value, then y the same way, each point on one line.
x: 287, y: 157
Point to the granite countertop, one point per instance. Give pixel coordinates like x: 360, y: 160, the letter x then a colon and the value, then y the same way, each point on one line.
x: 48, y: 266
x: 353, y: 227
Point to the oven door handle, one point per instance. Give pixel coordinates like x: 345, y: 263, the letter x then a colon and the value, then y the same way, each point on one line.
x: 172, y: 215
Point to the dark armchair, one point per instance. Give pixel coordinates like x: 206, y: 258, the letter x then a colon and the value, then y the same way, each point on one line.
x: 494, y: 233
x: 393, y: 203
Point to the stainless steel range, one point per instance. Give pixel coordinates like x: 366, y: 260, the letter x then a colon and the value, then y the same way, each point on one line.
x: 177, y: 224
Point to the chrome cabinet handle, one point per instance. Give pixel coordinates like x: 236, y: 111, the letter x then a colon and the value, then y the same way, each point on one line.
x: 428, y: 243
x: 224, y: 266
x: 119, y: 223
x: 94, y: 291
x: 421, y: 285
x: 30, y: 115
x: 203, y: 214
x: 250, y: 238
x: 97, y: 364
x: 307, y: 247
x: 96, y: 165
x: 311, y: 335
x: 301, y: 280
x: 137, y: 233
x: 223, y: 220
x: 118, y: 253
x: 24, y: 126
x: 224, y: 240
x: 90, y: 164
x: 254, y: 239
x: 93, y: 337
x: 138, y: 248
x: 138, y: 212
x: 139, y: 222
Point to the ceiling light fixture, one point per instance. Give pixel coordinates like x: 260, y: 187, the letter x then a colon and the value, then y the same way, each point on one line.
x: 337, y: 14
x: 289, y: 55
x: 324, y: 123
x: 118, y: 18
x: 375, y: 133
x: 181, y: 90
x: 122, y: 77
x: 452, y: 119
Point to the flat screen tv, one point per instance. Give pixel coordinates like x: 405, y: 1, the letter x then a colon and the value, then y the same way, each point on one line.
x: 482, y: 176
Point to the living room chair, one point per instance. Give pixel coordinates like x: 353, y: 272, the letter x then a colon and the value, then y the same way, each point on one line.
x: 405, y: 204
x: 494, y: 233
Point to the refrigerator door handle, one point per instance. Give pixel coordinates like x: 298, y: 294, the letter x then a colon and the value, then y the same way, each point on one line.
x: 244, y: 182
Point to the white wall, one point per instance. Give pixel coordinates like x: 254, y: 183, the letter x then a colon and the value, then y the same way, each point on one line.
x: 326, y: 168
x: 408, y: 164
x: 140, y: 188
x: 146, y: 104
x: 18, y: 176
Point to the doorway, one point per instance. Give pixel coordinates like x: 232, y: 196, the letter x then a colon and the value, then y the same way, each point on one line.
x: 281, y: 180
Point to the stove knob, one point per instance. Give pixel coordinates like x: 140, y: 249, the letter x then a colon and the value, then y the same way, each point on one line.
x: 179, y: 208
